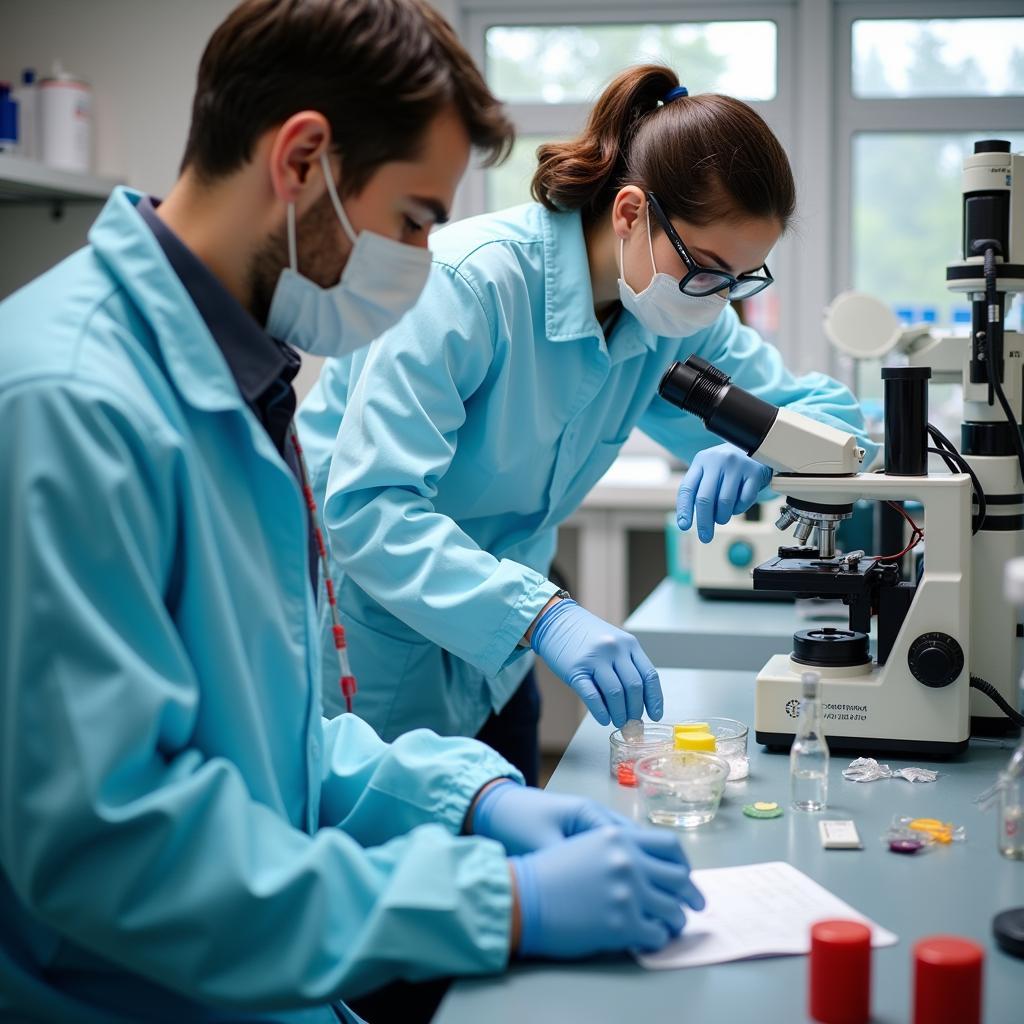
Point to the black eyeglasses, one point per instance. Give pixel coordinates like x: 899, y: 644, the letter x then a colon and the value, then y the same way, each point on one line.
x: 700, y: 280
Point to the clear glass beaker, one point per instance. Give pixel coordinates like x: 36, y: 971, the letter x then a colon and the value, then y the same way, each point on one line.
x: 623, y: 753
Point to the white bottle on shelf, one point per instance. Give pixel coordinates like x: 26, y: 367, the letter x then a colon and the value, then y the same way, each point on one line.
x: 65, y: 122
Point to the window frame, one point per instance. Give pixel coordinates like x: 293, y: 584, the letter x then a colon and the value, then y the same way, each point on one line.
x: 814, y: 113
x: 557, y: 119
x: 924, y: 114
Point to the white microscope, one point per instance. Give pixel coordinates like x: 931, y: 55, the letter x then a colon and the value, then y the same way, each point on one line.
x: 947, y: 630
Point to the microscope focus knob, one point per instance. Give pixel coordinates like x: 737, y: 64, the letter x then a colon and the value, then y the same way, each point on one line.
x: 936, y: 659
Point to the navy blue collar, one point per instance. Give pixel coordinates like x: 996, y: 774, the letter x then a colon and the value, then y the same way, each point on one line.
x: 255, y: 359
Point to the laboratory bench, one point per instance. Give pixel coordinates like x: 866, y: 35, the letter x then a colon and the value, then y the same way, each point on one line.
x: 954, y: 889
x: 678, y: 628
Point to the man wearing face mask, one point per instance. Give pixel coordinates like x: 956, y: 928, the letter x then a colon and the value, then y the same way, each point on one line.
x: 182, y: 835
x: 445, y: 458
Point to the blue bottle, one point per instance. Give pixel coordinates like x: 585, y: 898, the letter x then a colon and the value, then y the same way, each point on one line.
x: 8, y: 120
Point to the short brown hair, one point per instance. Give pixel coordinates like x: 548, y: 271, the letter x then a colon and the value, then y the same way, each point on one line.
x: 378, y: 70
x: 705, y: 157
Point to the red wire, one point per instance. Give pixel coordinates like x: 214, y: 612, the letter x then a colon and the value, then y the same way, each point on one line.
x: 917, y: 535
x: 346, y: 680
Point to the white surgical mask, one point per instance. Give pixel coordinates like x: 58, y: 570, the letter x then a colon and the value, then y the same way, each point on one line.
x: 381, y: 282
x: 661, y: 307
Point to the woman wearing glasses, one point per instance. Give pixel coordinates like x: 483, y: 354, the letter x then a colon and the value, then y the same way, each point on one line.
x: 505, y: 395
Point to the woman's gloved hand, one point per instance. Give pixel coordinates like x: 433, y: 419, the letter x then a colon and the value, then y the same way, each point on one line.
x: 523, y: 819
x: 602, y: 663
x: 721, y: 482
x: 610, y: 889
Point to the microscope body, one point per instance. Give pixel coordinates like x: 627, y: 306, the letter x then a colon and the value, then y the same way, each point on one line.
x: 995, y: 627
x: 913, y: 695
x: 938, y: 630
x: 992, y: 217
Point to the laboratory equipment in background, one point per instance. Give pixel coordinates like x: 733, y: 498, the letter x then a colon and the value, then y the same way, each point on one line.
x: 808, y: 756
x: 8, y: 120
x: 679, y: 545
x: 722, y: 568
x: 944, y: 631
x: 65, y: 122
x: 26, y: 96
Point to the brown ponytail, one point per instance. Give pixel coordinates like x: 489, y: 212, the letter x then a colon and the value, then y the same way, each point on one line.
x: 706, y: 157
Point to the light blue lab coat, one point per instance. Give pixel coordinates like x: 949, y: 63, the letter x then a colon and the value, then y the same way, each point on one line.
x: 182, y: 837
x: 470, y: 431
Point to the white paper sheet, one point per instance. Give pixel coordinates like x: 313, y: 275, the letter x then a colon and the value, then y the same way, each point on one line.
x: 755, y: 910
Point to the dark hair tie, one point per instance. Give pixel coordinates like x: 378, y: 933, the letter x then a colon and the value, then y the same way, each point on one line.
x: 674, y: 94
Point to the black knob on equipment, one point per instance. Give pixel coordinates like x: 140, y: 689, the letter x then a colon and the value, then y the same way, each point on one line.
x: 936, y: 659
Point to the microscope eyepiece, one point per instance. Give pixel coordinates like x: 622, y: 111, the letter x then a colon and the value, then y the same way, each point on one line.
x: 992, y: 146
x: 695, y: 386
x: 735, y: 415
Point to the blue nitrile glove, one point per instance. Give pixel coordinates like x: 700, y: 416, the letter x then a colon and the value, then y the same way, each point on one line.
x: 602, y: 663
x: 610, y: 889
x: 523, y: 819
x: 722, y: 482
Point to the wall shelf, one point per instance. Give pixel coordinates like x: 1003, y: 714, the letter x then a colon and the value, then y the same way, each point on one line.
x: 30, y: 181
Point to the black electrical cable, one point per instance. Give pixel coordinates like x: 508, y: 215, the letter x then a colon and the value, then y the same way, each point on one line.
x: 954, y: 461
x: 991, y: 300
x: 996, y: 697
x: 940, y: 438
x: 954, y: 467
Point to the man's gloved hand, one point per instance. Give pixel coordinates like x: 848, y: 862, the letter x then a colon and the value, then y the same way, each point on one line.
x: 721, y: 482
x: 523, y: 819
x: 602, y: 663
x: 610, y: 889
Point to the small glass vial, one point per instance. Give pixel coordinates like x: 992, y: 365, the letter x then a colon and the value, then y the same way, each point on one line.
x: 1011, y: 813
x: 808, y: 757
x: 1010, y: 781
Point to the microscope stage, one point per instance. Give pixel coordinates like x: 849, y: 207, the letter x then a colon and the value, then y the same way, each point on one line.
x: 817, y: 577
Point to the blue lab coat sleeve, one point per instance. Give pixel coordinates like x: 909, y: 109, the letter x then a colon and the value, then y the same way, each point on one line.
x: 118, y: 826
x: 376, y: 790
x: 757, y: 367
x: 395, y: 442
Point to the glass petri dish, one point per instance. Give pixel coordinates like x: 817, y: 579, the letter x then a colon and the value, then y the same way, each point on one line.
x: 623, y: 754
x: 730, y: 743
x: 681, y: 788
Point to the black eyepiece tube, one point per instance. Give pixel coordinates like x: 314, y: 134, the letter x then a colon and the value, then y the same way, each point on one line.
x: 906, y: 420
x: 735, y: 415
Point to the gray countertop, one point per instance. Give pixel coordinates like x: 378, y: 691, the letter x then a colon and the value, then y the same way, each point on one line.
x: 680, y: 629
x: 954, y: 889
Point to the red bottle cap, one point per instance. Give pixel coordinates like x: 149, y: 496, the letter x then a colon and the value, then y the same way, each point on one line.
x: 947, y: 980
x: 840, y: 989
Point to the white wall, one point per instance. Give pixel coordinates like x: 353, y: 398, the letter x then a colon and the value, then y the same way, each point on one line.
x: 141, y: 57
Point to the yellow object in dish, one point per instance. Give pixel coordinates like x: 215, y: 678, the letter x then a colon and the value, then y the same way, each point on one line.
x: 697, y: 740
